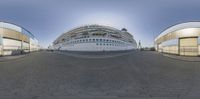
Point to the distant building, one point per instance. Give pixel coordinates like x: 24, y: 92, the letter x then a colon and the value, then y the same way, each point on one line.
x: 16, y: 40
x: 181, y: 39
x: 95, y: 38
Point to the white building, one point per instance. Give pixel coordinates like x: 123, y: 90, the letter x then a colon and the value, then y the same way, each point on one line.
x: 180, y: 39
x: 95, y: 38
x: 16, y: 40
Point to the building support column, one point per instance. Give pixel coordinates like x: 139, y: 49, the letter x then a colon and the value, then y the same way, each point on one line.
x: 1, y: 45
x: 178, y: 46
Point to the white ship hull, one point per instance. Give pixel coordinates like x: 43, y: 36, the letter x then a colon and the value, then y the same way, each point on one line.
x: 97, y: 46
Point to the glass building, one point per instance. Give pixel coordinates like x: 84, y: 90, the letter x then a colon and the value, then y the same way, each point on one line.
x: 16, y: 40
x: 182, y: 39
x: 95, y: 38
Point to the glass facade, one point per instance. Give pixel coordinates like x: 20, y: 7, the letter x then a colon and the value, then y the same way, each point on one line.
x: 199, y: 40
x: 27, y: 33
x: 170, y: 46
x: 1, y: 40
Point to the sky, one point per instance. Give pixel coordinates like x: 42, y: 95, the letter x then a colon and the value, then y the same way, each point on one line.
x: 144, y: 19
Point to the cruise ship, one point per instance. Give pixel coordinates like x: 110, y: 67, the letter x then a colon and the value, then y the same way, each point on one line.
x: 95, y: 38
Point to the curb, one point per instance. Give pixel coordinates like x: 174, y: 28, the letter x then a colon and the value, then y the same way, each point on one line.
x: 181, y: 59
x: 9, y: 58
x: 93, y: 56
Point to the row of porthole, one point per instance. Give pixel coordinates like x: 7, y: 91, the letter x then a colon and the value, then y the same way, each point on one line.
x: 94, y: 40
x: 103, y: 44
x: 107, y: 44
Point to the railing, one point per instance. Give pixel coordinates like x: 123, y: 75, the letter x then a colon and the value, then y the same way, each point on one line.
x: 183, y: 50
x: 172, y: 49
x: 189, y: 50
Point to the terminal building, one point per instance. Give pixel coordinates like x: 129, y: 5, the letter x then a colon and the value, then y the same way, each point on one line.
x: 182, y: 39
x: 95, y: 38
x: 16, y: 40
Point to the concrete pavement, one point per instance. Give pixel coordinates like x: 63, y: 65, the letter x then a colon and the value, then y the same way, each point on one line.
x: 137, y: 75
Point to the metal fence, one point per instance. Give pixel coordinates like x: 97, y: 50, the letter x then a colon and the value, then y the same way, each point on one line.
x: 189, y: 50
x: 182, y: 50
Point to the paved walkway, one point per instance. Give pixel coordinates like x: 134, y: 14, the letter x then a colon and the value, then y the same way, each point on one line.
x: 183, y: 58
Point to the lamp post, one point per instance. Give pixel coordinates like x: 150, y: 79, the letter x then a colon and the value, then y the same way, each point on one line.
x: 139, y: 45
